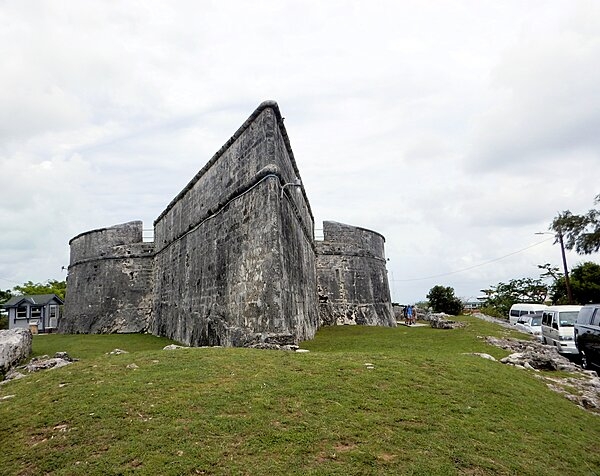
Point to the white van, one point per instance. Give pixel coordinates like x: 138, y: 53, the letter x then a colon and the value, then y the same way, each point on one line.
x: 520, y: 309
x: 558, y: 323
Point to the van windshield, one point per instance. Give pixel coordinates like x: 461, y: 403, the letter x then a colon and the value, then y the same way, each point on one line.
x: 567, y: 318
x: 536, y: 321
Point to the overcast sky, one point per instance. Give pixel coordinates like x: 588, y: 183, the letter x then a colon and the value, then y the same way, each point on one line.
x: 457, y: 129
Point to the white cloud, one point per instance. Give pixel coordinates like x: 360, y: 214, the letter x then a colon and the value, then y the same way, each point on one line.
x: 547, y: 100
x: 455, y: 129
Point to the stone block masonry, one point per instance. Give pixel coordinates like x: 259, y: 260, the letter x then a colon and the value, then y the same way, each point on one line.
x: 352, y: 277
x: 109, y: 287
x: 233, y: 261
x: 235, y: 257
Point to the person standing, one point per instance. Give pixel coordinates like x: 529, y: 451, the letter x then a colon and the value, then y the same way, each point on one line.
x: 409, y: 315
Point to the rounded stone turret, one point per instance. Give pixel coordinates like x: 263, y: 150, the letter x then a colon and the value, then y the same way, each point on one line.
x: 109, y: 286
x: 352, y: 277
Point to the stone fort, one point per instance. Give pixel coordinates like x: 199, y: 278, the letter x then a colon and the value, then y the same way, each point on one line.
x: 234, y: 261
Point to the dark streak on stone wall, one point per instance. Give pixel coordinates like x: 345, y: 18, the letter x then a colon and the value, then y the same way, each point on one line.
x: 352, y: 277
x: 110, y: 281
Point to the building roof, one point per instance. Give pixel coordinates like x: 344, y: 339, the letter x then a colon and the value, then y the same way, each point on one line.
x: 35, y: 299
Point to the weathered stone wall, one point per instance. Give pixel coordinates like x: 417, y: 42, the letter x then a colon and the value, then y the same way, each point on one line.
x: 15, y: 345
x: 110, y: 281
x: 233, y: 261
x: 352, y: 277
x: 234, y: 255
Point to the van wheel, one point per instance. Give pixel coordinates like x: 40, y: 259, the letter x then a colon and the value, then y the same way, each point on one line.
x: 584, y: 360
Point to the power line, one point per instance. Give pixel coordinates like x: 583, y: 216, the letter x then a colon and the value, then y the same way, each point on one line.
x: 474, y: 266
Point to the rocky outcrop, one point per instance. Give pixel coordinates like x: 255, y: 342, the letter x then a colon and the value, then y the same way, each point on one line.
x: 15, y: 345
x: 584, y: 392
x: 533, y: 355
x: 583, y: 389
x: 441, y: 321
x: 43, y: 362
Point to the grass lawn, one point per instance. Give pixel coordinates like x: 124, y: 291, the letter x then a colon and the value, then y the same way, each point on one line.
x: 425, y: 408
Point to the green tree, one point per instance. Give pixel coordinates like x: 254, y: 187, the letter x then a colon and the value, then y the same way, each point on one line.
x: 585, y: 284
x: 4, y: 296
x: 499, y: 298
x: 580, y: 232
x: 52, y: 286
x: 551, y: 272
x: 442, y: 299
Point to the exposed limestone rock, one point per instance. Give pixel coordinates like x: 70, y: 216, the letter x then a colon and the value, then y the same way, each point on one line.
x: 117, y: 352
x: 429, y: 316
x: 482, y: 355
x: 64, y: 356
x: 44, y: 362
x: 439, y: 321
x: 15, y: 345
x: 533, y: 353
x: 173, y: 347
x: 12, y: 375
x: 584, y: 390
x: 265, y: 346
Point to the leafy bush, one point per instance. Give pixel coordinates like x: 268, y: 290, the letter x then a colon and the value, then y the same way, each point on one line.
x: 492, y: 311
x: 442, y: 299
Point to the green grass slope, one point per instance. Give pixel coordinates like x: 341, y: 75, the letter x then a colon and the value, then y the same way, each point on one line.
x: 424, y: 408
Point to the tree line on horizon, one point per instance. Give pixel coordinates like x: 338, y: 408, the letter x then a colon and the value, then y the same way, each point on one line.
x: 577, y: 232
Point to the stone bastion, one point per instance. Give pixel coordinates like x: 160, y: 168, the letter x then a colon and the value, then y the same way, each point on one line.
x: 234, y: 261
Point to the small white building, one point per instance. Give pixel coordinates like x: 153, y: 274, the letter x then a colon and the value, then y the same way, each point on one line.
x: 39, y: 312
x: 473, y: 304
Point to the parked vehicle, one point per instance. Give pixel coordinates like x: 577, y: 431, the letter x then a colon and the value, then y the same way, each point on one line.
x: 531, y: 324
x: 587, y: 335
x: 558, y: 324
x: 520, y: 309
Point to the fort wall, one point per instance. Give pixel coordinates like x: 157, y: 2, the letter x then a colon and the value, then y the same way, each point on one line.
x: 235, y: 261
x: 352, y: 277
x: 110, y: 281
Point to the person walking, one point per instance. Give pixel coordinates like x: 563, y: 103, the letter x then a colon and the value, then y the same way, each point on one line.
x: 409, y: 315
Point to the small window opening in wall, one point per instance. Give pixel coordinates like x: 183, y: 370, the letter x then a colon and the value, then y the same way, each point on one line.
x: 21, y: 312
x: 36, y: 312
